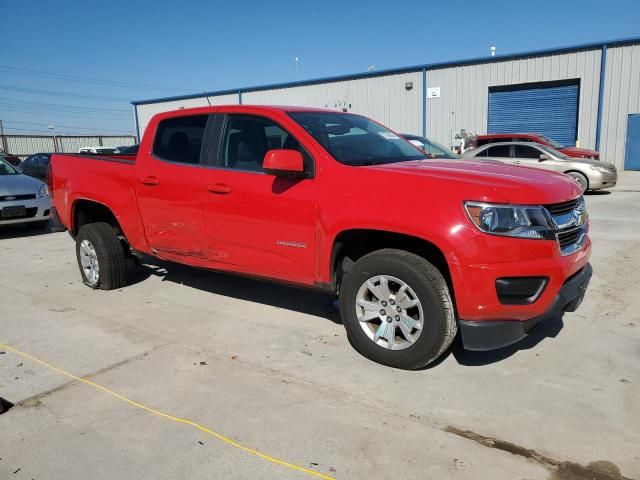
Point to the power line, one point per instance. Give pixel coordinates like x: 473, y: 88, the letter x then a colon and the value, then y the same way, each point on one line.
x: 26, y: 103
x: 77, y: 78
x: 58, y: 93
x: 64, y: 132
x: 64, y: 126
x: 41, y: 110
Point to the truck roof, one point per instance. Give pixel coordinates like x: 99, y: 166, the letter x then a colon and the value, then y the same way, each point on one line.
x: 272, y: 108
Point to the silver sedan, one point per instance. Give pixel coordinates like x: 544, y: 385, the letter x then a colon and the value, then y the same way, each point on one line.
x: 23, y: 199
x: 590, y: 174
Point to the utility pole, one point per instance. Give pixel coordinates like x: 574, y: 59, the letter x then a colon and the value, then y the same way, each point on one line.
x: 3, y: 139
x: 55, y: 143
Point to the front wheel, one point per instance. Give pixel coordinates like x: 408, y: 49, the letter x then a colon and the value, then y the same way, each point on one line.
x: 396, y: 309
x: 101, y: 257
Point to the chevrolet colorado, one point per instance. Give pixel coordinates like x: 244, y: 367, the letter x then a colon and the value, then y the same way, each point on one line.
x: 417, y: 249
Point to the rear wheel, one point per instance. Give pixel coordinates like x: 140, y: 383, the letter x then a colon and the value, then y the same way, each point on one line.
x: 101, y: 256
x: 582, y: 180
x: 396, y: 309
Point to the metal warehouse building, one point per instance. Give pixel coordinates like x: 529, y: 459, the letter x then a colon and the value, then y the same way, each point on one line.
x: 585, y: 94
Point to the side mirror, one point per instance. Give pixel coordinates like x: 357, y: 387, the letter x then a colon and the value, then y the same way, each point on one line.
x: 543, y: 157
x: 284, y: 163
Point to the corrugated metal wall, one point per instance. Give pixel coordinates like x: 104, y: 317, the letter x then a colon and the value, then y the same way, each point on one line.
x: 621, y: 97
x: 146, y: 111
x: 25, y: 145
x: 465, y: 91
x: 463, y: 101
x: 384, y: 98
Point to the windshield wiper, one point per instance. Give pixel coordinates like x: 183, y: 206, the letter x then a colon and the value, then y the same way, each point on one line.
x: 365, y: 163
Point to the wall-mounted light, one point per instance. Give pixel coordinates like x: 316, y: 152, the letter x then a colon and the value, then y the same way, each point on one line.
x: 408, y: 86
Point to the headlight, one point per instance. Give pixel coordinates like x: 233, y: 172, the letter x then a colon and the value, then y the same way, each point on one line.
x: 598, y: 168
x: 44, y: 191
x: 511, y: 220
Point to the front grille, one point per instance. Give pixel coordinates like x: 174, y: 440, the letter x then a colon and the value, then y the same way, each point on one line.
x: 570, y: 220
x: 569, y: 236
x: 11, y: 198
x: 562, y: 208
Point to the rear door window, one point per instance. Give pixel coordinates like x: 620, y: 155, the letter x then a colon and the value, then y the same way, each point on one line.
x: 524, y: 151
x: 179, y: 139
x: 503, y: 151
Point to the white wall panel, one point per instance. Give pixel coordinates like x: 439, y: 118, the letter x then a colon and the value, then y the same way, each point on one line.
x: 621, y: 97
x: 384, y: 98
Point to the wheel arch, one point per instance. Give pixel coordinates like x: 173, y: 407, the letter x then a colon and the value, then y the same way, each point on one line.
x: 573, y: 170
x: 350, y: 245
x: 84, y: 211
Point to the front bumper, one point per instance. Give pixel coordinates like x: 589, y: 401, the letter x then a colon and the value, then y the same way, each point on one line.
x: 490, y: 335
x: 600, y: 180
x: 37, y: 210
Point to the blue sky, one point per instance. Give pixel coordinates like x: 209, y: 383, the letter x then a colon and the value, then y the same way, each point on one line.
x: 170, y: 48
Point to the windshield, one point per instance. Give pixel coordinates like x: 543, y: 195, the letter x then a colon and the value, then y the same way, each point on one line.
x: 6, y: 168
x: 552, y: 151
x: 356, y: 140
x: 553, y: 143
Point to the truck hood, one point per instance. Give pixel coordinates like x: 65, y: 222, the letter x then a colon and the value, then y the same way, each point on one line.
x: 491, y: 181
x: 580, y: 152
x: 18, y: 185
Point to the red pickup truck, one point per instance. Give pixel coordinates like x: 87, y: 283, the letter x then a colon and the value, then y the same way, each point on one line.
x: 417, y: 249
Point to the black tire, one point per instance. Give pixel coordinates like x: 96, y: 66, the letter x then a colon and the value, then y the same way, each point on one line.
x: 581, y: 179
x: 430, y: 287
x: 40, y: 225
x: 110, y: 254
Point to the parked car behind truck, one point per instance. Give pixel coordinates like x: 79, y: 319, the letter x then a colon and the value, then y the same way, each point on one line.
x: 429, y: 147
x: 23, y: 199
x: 568, y: 150
x: 36, y: 165
x: 590, y: 174
x: 415, y: 248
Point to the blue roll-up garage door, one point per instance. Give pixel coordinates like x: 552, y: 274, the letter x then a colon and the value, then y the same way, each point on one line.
x: 550, y: 109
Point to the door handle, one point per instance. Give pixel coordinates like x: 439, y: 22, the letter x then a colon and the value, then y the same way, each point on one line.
x: 517, y: 162
x: 219, y: 188
x: 151, y: 181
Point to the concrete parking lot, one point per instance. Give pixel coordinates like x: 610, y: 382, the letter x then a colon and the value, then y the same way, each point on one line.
x: 269, y: 367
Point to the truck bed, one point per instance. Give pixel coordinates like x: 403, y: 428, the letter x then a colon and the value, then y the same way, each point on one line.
x: 108, y: 180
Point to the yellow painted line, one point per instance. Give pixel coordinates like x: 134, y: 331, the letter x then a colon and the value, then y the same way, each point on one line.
x: 183, y: 421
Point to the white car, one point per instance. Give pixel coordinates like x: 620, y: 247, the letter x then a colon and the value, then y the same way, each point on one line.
x: 590, y: 174
x: 98, y: 150
x: 23, y: 199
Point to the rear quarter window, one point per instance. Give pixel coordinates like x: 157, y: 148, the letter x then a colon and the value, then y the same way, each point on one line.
x: 180, y: 139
